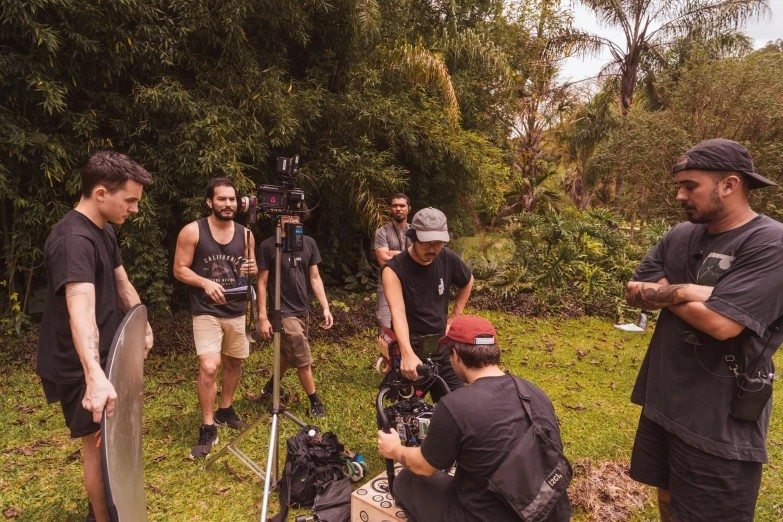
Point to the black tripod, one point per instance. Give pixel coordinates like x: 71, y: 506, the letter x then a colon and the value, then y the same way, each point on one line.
x: 276, y: 410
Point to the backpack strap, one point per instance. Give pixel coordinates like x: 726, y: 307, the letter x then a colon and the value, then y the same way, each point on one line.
x: 523, y: 398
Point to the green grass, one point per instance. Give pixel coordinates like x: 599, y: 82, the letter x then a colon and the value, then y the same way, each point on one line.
x: 39, y: 477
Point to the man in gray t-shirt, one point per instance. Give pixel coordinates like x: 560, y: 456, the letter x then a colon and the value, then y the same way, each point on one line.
x: 390, y: 240
x: 717, y: 282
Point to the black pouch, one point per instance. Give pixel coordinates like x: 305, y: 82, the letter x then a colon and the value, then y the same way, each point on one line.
x: 534, y: 475
x: 232, y: 295
x: 751, y: 397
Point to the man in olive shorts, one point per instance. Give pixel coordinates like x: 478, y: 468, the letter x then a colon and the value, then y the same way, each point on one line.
x: 295, y: 307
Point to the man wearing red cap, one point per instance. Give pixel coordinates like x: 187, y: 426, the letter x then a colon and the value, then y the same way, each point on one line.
x: 706, y: 380
x: 417, y: 284
x: 476, y: 427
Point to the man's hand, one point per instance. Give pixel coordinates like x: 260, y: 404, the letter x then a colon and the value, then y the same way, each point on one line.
x: 388, y: 443
x: 408, y: 366
x: 328, y: 319
x: 265, y: 327
x: 450, y: 319
x: 249, y: 267
x: 99, y: 394
x: 215, y: 291
x: 149, y: 340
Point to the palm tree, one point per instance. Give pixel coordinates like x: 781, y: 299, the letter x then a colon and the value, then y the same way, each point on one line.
x: 650, y: 26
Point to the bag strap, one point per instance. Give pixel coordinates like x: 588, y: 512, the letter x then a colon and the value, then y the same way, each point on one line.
x: 524, y: 399
x: 761, y: 360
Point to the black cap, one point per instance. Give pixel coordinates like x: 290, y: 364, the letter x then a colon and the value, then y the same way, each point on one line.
x: 722, y: 155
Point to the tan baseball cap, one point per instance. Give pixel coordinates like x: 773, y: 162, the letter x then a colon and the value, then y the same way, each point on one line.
x: 430, y: 225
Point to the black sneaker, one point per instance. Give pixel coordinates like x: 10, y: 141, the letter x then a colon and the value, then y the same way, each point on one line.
x: 90, y: 513
x: 228, y: 417
x: 207, y: 437
x: 317, y: 410
x: 285, y: 397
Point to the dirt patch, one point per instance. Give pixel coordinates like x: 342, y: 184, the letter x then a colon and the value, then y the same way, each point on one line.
x: 605, y: 490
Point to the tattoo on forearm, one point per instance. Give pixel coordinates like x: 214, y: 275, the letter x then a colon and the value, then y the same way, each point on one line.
x: 645, y: 297
x: 93, y: 346
x: 403, y: 461
x: 665, y: 509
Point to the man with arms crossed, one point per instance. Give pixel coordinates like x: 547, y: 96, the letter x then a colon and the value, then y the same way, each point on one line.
x: 717, y: 280
x: 477, y: 427
x: 211, y: 255
x: 295, y: 307
x: 390, y: 240
x: 417, y: 284
x: 86, y: 296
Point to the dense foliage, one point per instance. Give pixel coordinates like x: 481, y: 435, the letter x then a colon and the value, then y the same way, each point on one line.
x: 368, y: 93
x: 459, y: 104
x: 572, y: 262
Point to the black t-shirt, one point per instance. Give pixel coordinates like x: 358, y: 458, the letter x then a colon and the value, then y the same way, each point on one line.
x: 687, y: 387
x: 293, y: 282
x: 476, y: 427
x: 426, y: 288
x: 77, y: 251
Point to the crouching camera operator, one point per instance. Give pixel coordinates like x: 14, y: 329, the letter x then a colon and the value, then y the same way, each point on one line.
x: 477, y: 427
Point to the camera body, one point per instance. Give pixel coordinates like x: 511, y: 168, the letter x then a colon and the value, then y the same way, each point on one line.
x: 277, y: 200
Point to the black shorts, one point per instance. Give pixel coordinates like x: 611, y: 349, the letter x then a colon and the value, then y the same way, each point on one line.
x: 703, y: 487
x: 70, y: 397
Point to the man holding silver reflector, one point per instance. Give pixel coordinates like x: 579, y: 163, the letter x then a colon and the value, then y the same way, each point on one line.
x: 87, y: 293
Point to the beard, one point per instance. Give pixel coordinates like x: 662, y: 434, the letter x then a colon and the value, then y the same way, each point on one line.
x: 709, y: 215
x: 223, y: 217
x: 398, y: 219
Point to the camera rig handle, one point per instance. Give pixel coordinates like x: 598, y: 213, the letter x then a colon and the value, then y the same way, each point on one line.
x: 383, y: 424
x: 428, y: 373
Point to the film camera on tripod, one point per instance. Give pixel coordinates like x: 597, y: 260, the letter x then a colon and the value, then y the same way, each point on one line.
x: 275, y: 201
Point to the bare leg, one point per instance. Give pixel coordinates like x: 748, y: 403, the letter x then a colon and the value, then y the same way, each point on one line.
x: 306, y: 378
x: 93, y: 477
x: 207, y: 385
x: 232, y: 368
x: 665, y: 506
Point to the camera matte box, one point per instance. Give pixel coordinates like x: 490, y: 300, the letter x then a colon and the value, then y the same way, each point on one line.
x: 373, y: 503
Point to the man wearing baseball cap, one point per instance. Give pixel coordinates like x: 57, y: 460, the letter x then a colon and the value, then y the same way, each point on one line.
x: 477, y: 427
x: 705, y: 383
x: 417, y: 284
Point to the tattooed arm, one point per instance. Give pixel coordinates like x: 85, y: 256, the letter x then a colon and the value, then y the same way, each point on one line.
x: 703, y: 319
x: 389, y: 446
x: 653, y: 296
x: 100, y: 394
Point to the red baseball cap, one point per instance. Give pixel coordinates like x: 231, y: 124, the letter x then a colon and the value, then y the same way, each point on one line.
x: 469, y: 329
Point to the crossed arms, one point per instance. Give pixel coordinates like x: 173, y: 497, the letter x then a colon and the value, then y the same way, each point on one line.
x: 686, y: 301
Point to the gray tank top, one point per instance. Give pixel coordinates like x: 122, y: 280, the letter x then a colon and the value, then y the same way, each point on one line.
x: 217, y: 263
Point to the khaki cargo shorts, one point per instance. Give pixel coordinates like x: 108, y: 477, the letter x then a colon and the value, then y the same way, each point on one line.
x: 293, y: 342
x: 221, y: 335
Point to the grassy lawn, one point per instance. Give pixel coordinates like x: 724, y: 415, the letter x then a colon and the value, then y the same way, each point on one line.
x: 587, y: 367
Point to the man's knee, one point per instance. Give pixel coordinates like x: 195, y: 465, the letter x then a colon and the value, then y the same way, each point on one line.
x: 232, y: 363
x: 208, y: 367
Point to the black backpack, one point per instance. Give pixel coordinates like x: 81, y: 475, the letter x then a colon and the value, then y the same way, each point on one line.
x: 313, y: 462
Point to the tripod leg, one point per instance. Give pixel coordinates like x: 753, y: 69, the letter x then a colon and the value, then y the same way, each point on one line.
x: 236, y: 441
x: 270, y: 458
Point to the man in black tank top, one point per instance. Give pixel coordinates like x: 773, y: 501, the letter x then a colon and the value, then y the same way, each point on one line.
x: 417, y: 284
x: 208, y: 255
